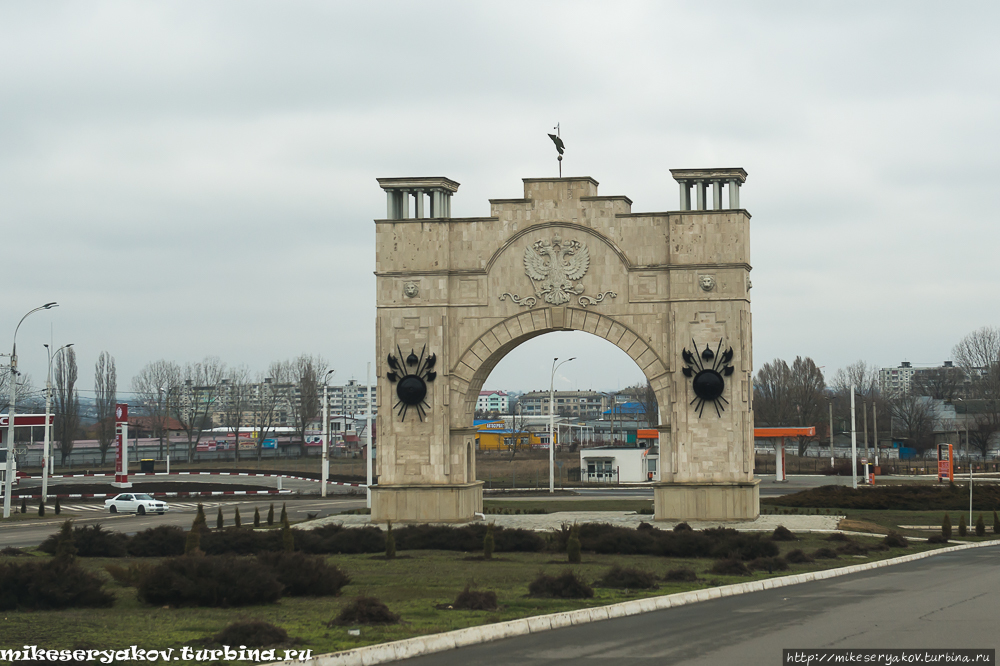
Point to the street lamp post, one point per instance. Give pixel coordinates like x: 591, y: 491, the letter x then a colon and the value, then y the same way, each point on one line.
x: 47, y: 427
x: 326, y: 434
x: 8, y: 479
x: 552, y: 441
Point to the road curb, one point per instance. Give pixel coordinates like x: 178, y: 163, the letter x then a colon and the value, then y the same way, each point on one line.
x: 423, y: 645
x: 179, y: 493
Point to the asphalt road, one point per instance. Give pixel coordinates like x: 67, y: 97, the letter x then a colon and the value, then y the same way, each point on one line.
x: 33, y: 532
x: 945, y: 601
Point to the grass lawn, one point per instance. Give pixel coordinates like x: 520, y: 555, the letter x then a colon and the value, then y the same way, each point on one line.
x: 412, y: 585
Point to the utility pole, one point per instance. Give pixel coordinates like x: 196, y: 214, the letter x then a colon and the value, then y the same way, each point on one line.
x: 854, y: 444
x: 368, y: 429
x: 831, y: 434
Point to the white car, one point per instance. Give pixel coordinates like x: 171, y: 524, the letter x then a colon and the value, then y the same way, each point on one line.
x: 135, y: 503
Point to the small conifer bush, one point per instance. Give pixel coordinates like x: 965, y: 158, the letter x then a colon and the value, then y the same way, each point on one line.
x: 573, y: 546
x: 256, y: 517
x: 489, y: 543
x: 946, y: 527
x: 980, y: 526
x: 962, y: 530
x: 251, y: 633
x: 219, y: 520
x: 270, y: 515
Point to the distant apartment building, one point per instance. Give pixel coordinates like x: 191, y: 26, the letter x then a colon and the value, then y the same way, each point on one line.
x: 902, y: 380
x: 576, y: 404
x: 492, y: 401
x: 349, y: 399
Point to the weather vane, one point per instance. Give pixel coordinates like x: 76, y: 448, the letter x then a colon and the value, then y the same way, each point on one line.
x: 560, y: 146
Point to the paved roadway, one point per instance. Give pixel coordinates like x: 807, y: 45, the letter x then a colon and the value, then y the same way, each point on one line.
x: 945, y: 601
x: 33, y: 532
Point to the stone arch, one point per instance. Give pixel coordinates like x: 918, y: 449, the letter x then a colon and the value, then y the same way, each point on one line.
x: 477, y: 362
x: 653, y: 282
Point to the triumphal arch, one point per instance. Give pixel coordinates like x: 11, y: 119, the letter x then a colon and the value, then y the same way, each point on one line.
x: 455, y: 295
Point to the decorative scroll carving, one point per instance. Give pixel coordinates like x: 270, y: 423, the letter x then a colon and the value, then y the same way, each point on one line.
x: 527, y: 301
x: 587, y: 300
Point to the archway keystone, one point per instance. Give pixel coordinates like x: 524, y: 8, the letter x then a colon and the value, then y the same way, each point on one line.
x: 670, y: 289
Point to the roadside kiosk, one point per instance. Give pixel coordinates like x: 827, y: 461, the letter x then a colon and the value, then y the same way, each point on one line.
x: 946, y: 469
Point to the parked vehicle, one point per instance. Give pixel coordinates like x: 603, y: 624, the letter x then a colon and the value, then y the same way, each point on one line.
x: 135, y: 503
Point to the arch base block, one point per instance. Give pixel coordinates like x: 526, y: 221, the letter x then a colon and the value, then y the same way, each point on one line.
x: 707, y: 501
x: 452, y: 503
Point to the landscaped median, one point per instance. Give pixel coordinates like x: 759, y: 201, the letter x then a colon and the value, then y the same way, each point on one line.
x: 421, y: 579
x: 423, y: 645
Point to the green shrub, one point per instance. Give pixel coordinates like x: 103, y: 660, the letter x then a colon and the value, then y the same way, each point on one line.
x: 962, y: 530
x: 24, y: 505
x: 573, y: 545
x: 364, y: 610
x: 236, y: 518
x: 564, y: 586
x: 218, y: 581
x: 899, y: 497
x: 838, y: 536
x: 90, y: 541
x: 682, y: 527
x: 284, y: 514
x: 220, y: 522
x: 130, y: 575
x: 489, y: 543
x: 160, y: 541
x: 270, y: 514
x: 199, y: 519
x: 11, y: 551
x: 680, y: 575
x: 937, y: 538
x: 996, y: 523
x: 768, y: 564
x: 628, y: 578
x: 251, y: 633
x: 782, y: 533
x: 287, y: 539
x: 65, y: 547
x: 980, y: 526
x: 825, y: 554
x: 798, y: 556
x: 256, y: 517
x: 234, y: 541
x: 336, y: 539
x: 476, y: 600
x: 730, y: 567
x: 896, y: 540
x: 50, y: 585
x: 946, y: 527
x: 41, y: 507
x: 852, y: 548
x: 58, y: 507
x: 305, y: 575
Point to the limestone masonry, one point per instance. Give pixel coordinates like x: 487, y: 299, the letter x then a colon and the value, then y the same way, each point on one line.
x: 455, y: 295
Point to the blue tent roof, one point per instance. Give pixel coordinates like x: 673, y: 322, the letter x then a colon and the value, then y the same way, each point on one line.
x: 628, y: 408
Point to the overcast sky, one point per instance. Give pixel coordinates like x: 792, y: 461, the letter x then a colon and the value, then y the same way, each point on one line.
x: 198, y: 178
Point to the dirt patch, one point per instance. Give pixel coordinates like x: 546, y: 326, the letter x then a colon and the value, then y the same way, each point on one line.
x: 862, y: 526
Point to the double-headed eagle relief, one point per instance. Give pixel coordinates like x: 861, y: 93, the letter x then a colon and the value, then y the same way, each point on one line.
x: 554, y: 268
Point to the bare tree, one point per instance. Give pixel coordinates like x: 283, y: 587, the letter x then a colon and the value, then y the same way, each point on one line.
x: 865, y: 379
x: 795, y: 395
x: 26, y: 392
x: 235, y: 396
x: 938, y: 383
x: 913, y: 418
x: 644, y: 394
x: 265, y: 400
x: 154, y: 386
x: 67, y: 403
x: 195, y: 397
x: 105, y: 394
x: 301, y: 377
x: 978, y: 355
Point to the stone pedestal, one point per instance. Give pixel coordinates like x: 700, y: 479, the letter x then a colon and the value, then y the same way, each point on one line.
x: 707, y: 501
x: 427, y: 503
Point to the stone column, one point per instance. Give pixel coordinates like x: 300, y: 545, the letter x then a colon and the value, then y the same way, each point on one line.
x: 700, y: 187
x: 418, y: 208
x: 734, y: 194
x: 716, y: 195
x: 685, y: 194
